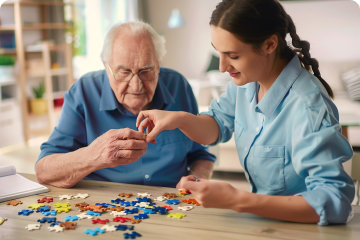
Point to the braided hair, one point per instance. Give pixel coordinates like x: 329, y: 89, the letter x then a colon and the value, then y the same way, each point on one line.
x: 254, y: 21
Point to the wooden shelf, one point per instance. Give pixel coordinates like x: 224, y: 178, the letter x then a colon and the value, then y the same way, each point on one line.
x: 28, y: 2
x: 53, y: 72
x: 36, y: 26
x: 7, y: 50
x: 39, y: 26
x: 44, y: 131
x: 7, y: 27
x: 33, y: 124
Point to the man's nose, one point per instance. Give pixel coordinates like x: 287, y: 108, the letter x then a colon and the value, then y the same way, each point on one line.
x: 136, y: 83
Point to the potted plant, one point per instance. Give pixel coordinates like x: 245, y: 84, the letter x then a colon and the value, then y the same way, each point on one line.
x: 38, y: 105
x: 6, y: 67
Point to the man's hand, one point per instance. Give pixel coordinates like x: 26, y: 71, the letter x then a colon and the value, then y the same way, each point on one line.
x: 117, y: 147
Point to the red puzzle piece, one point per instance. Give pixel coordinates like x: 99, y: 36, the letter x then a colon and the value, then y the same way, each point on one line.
x: 100, y: 221
x: 121, y: 219
x: 48, y: 200
x: 167, y: 207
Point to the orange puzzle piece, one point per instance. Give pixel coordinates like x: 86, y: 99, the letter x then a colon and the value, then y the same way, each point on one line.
x: 192, y: 201
x: 14, y: 202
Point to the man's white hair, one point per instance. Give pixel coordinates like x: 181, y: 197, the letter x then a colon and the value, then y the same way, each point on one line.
x: 133, y: 28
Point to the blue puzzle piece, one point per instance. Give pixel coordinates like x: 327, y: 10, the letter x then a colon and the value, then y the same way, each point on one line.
x: 43, y: 209
x: 105, y: 204
x: 70, y: 218
x: 94, y: 232
x: 126, y: 204
x: 162, y: 211
x: 124, y: 227
x: 45, y: 219
x: 25, y: 212
x: 131, y: 211
x: 93, y: 213
x: 149, y: 211
x: 52, y: 213
x: 54, y: 224
x: 141, y: 216
x: 118, y: 201
x: 132, y: 235
x: 172, y: 201
x: 144, y: 199
x: 133, y: 203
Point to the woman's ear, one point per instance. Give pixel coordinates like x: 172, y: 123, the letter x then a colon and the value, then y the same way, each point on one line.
x: 270, y: 44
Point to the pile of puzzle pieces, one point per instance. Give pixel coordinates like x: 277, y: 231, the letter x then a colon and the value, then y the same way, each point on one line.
x: 119, y: 208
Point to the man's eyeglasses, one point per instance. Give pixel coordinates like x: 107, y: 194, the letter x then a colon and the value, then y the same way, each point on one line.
x: 146, y: 75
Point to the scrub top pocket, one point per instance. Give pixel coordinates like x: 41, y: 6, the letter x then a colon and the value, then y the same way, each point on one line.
x: 268, y: 167
x: 238, y: 130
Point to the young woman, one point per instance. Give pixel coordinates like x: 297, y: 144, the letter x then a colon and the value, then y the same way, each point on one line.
x: 285, y: 125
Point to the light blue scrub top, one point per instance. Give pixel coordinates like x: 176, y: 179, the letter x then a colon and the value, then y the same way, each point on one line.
x: 290, y: 143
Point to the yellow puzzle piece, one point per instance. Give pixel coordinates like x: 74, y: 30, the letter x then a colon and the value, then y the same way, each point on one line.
x: 176, y: 215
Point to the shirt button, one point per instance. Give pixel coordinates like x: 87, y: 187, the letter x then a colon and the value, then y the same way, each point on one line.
x: 147, y: 176
x: 257, y: 129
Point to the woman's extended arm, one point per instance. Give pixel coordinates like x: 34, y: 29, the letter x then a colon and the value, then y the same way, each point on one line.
x: 201, y: 128
x: 216, y: 194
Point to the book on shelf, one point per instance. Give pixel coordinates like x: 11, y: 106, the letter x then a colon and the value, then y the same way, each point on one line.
x: 13, y: 185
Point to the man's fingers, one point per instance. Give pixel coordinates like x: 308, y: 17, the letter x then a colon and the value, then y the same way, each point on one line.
x: 128, y: 133
x: 130, y: 153
x: 130, y: 144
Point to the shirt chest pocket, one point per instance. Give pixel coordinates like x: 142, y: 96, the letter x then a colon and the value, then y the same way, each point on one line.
x: 238, y: 130
x: 268, y: 167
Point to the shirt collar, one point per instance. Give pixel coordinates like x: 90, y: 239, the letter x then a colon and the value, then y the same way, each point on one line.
x: 280, y: 87
x: 109, y: 102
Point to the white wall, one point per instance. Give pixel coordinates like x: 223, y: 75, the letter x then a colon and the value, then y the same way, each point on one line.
x: 331, y: 27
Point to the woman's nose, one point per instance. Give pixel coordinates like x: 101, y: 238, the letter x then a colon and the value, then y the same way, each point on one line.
x: 224, y: 66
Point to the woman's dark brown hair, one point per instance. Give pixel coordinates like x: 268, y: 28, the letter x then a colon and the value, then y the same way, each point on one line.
x: 254, y: 21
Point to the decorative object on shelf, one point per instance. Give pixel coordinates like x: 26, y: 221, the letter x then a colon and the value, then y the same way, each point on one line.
x: 38, y: 105
x: 6, y: 67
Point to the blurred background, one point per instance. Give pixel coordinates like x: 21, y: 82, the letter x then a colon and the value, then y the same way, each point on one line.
x: 47, y: 45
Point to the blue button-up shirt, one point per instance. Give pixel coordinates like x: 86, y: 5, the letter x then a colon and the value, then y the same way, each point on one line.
x: 290, y: 142
x: 91, y: 109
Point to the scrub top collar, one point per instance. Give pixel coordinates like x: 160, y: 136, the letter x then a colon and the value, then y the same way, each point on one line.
x: 279, y: 89
x: 108, y: 101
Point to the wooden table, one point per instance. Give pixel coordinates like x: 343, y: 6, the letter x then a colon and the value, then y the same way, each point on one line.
x: 200, y: 223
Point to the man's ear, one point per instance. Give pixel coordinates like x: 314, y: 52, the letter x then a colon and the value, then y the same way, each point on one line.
x: 270, y: 44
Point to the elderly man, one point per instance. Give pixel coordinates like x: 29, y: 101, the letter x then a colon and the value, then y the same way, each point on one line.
x: 96, y: 137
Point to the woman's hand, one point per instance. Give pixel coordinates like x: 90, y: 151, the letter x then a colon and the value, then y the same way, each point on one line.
x: 157, y: 121
x: 213, y: 194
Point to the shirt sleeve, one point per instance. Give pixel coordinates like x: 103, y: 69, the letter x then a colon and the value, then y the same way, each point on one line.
x: 197, y: 152
x: 223, y: 111
x: 319, y: 149
x: 69, y: 135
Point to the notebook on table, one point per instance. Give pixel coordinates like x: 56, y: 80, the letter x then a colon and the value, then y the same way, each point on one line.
x: 13, y: 185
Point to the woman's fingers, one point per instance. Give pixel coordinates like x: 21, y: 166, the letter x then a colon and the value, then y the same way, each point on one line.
x: 143, y: 125
x: 139, y: 118
x: 152, y: 135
